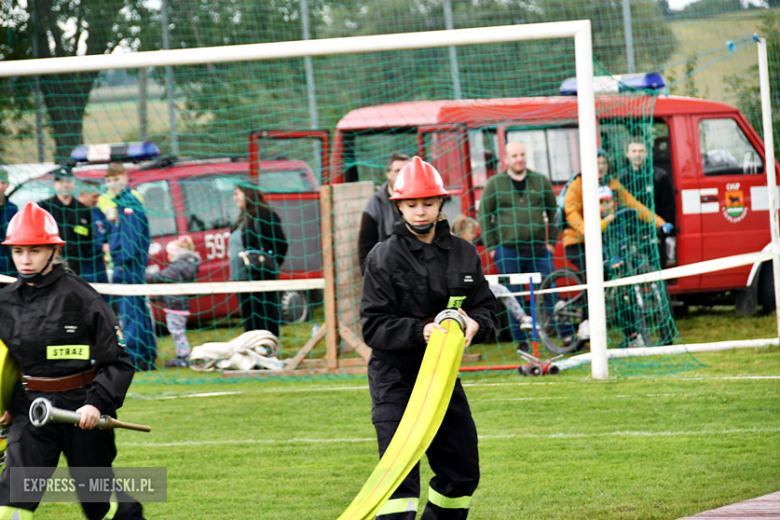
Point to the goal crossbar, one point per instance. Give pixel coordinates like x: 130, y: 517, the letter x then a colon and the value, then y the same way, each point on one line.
x: 296, y: 49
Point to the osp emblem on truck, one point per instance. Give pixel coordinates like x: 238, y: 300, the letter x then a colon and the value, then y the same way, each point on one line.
x: 735, y: 209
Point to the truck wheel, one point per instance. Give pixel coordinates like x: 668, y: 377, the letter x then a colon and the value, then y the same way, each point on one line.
x: 766, y: 288
x: 295, y: 307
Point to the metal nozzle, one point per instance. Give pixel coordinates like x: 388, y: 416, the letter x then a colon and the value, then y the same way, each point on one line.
x: 40, y: 412
x: 450, y: 314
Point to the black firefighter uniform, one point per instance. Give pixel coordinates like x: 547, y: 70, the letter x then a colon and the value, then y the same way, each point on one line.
x: 406, y: 283
x: 64, y: 335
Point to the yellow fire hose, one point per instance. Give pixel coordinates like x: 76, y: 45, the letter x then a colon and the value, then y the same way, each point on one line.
x: 421, y: 420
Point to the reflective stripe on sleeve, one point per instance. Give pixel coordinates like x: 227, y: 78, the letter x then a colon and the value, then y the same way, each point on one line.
x: 436, y: 498
x: 398, y: 505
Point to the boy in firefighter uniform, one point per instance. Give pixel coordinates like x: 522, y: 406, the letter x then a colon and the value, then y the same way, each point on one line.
x: 409, y: 278
x: 128, y: 243
x: 68, y: 345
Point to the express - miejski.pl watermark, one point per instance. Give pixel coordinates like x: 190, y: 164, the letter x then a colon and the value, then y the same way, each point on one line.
x: 88, y: 484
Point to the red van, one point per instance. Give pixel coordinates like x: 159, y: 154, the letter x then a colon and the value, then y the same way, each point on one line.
x: 195, y: 197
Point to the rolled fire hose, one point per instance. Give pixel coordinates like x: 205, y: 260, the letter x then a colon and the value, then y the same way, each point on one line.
x: 42, y: 412
x: 421, y: 420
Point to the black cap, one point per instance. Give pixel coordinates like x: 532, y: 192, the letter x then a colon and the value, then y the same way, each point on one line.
x: 63, y: 172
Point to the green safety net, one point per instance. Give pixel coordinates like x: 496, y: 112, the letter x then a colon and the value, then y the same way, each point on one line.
x: 204, y: 115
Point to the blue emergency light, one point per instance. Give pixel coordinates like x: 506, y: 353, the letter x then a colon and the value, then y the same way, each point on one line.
x: 617, y: 83
x: 122, y: 152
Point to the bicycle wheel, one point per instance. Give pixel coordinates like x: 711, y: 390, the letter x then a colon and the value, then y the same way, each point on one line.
x: 558, y: 317
x: 654, y: 319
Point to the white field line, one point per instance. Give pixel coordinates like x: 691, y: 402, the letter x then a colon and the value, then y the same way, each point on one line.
x: 206, y: 394
x: 623, y: 380
x: 466, y: 385
x: 636, y: 396
x: 164, y: 396
x: 223, y: 442
x: 253, y: 391
x: 629, y: 434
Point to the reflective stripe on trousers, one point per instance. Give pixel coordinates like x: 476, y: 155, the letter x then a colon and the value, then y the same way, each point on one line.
x: 436, y: 498
x: 398, y: 505
x: 113, y: 506
x: 14, y: 513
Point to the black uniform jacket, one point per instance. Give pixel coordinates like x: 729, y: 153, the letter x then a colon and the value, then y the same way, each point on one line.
x: 60, y: 327
x: 75, y: 224
x: 662, y: 191
x: 407, y: 283
x: 266, y: 235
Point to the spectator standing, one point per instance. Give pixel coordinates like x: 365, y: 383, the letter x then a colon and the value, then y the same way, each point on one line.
x: 128, y: 242
x: 516, y: 233
x: 657, y: 192
x: 182, y: 268
x: 380, y: 214
x: 74, y: 221
x: 94, y: 269
x: 256, y: 248
x: 7, y: 210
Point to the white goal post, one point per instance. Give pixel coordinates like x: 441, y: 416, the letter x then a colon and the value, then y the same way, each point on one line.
x: 579, y: 30
x: 771, y: 179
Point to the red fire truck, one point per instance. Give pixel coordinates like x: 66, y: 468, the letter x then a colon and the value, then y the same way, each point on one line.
x: 715, y: 157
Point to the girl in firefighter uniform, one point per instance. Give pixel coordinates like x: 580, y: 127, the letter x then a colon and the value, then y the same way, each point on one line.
x: 419, y: 271
x: 69, y: 348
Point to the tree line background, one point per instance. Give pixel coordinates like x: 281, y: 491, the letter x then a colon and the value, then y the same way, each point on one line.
x: 216, y: 105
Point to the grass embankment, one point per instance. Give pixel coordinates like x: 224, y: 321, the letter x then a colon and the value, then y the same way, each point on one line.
x: 696, y: 37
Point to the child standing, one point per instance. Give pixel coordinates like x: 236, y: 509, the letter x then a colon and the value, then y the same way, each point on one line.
x: 183, y: 268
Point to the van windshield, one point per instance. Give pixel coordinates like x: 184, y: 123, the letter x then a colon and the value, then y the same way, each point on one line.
x: 33, y: 190
x: 296, y: 180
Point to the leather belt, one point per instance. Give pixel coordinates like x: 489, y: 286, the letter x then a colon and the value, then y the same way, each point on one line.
x: 58, y: 384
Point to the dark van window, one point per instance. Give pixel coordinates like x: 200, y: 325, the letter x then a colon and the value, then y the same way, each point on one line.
x: 209, y: 205
x: 725, y: 150
x: 365, y: 153
x: 294, y: 180
x: 209, y: 202
x: 159, y: 208
x: 554, y: 152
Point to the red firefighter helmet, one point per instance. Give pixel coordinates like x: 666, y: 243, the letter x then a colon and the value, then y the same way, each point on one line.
x: 33, y: 226
x: 418, y: 180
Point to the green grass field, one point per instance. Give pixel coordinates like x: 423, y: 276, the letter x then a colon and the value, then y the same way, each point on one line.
x: 643, y: 447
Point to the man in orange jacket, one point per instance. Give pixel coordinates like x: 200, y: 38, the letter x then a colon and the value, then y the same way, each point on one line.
x: 574, y: 234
